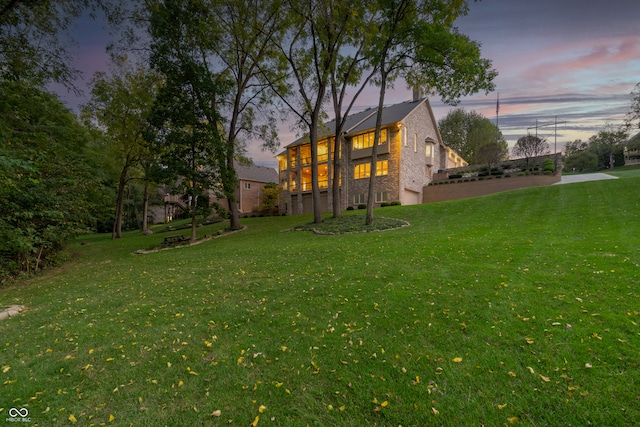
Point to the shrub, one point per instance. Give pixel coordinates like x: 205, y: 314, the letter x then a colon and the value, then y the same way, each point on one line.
x: 497, y: 173
x: 455, y: 176
x: 349, y: 208
x: 362, y: 206
x: 485, y: 173
x: 548, y: 166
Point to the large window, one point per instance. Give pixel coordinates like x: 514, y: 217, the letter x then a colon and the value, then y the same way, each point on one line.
x: 323, y: 151
x: 305, y: 154
x: 358, y: 199
x: 365, y: 140
x: 363, y: 170
x: 382, y: 196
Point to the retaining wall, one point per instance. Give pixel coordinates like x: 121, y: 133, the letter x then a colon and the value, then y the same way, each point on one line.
x: 462, y: 190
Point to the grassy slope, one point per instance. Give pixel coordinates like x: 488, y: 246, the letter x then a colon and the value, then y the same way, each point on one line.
x: 520, y: 307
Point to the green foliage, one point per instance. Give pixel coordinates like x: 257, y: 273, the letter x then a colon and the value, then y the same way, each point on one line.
x: 548, y: 166
x: 473, y: 136
x: 581, y: 161
x: 530, y: 146
x: 119, y: 108
x: 35, y: 41
x: 270, y: 198
x: 47, y: 179
x: 606, y: 145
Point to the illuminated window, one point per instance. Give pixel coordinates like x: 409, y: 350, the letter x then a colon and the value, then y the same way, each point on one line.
x: 282, y: 162
x: 293, y: 156
x: 293, y: 180
x: 365, y: 140
x: 323, y: 151
x: 305, y: 155
x: 323, y: 176
x: 429, y: 150
x: 363, y: 170
x: 382, y: 167
x: 415, y: 142
x: 305, y: 179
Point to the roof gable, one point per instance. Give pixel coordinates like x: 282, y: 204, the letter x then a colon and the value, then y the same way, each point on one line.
x: 255, y: 173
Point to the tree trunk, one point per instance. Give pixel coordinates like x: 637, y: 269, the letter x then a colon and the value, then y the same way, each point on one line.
x: 145, y: 206
x: 117, y: 222
x: 335, y: 185
x: 313, y: 142
x: 374, y: 150
x: 194, y: 221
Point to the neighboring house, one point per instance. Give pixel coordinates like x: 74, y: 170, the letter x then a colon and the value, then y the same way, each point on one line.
x: 251, y: 181
x: 409, y: 153
x: 632, y: 154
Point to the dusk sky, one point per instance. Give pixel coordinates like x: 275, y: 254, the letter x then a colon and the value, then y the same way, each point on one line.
x: 577, y: 60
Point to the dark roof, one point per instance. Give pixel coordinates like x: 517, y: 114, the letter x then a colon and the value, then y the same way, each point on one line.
x: 255, y: 173
x: 390, y: 115
x: 364, y: 120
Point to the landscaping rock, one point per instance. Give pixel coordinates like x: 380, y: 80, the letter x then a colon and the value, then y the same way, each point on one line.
x: 10, y: 311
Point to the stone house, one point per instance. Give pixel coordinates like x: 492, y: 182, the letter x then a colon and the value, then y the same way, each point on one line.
x: 410, y: 151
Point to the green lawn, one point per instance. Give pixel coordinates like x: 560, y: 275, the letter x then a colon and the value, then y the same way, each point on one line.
x: 520, y: 308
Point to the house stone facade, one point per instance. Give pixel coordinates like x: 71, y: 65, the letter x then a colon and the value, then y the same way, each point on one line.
x: 409, y: 153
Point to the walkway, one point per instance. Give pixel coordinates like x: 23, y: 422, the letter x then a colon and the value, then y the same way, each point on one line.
x: 570, y: 179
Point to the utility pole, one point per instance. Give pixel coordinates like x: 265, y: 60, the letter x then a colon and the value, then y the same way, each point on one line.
x: 555, y: 137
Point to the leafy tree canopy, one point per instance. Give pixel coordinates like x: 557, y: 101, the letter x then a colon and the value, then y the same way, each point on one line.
x: 47, y: 174
x: 467, y: 132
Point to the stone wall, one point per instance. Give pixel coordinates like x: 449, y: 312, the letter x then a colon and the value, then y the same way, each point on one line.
x: 462, y: 190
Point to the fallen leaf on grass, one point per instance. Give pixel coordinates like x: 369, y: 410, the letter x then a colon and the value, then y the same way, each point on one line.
x: 255, y: 421
x: 545, y: 379
x: 457, y: 359
x: 513, y: 420
x: 216, y: 413
x: 72, y: 419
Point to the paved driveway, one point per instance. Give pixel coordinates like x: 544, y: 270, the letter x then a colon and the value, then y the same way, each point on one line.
x: 570, y: 179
